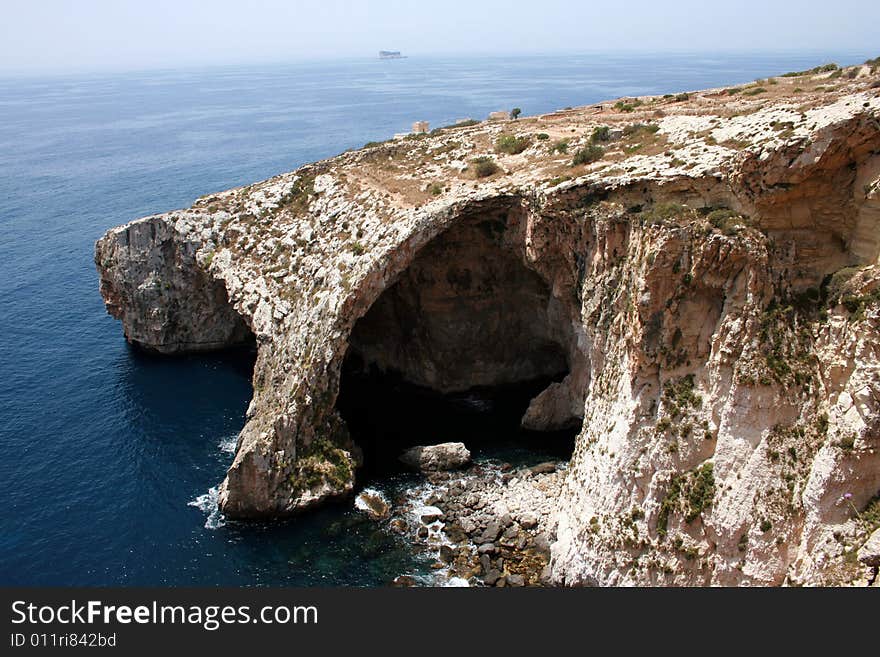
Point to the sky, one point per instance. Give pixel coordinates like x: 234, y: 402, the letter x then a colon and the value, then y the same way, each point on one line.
x: 95, y: 35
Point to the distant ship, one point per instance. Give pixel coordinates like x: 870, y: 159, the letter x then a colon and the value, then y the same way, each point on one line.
x: 390, y: 54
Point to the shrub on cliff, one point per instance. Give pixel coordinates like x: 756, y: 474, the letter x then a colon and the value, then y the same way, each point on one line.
x: 660, y: 213
x: 628, y: 106
x: 638, y: 128
x: 511, y: 145
x: 560, y: 147
x: 484, y: 166
x: 690, y: 493
x: 839, y: 281
x: 601, y: 133
x: 727, y: 221
x: 588, y: 154
x: 824, y: 68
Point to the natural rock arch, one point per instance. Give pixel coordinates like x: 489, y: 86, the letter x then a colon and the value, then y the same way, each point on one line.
x: 468, y: 312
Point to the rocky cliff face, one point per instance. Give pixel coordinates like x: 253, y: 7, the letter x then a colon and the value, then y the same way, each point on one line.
x: 703, y: 284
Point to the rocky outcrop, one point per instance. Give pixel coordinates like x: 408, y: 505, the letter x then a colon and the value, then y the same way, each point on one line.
x: 167, y: 303
x: 489, y: 525
x: 702, y: 287
x: 373, y: 503
x: 869, y: 553
x: 445, y: 456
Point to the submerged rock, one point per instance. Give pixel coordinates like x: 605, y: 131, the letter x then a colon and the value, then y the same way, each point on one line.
x: 444, y: 456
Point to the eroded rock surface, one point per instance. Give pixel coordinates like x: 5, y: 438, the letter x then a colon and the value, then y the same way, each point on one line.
x: 445, y: 456
x: 709, y: 284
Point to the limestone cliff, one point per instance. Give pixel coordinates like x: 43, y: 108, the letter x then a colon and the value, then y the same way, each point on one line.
x: 700, y: 273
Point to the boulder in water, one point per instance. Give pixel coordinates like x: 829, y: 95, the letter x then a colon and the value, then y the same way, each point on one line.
x: 373, y: 503
x: 445, y: 456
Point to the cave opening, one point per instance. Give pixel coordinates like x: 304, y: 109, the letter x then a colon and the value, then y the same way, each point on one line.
x: 455, y: 350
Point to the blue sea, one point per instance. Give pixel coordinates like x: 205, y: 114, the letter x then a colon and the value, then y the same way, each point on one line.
x: 104, y: 450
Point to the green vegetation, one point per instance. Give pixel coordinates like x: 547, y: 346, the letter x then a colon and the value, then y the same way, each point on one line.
x: 298, y: 196
x: 542, y: 136
x: 791, y: 448
x: 676, y: 98
x: 824, y: 68
x: 560, y: 147
x: 847, y: 442
x: 727, y: 221
x: 461, y: 124
x: 679, y: 395
x: 668, y: 505
x: 701, y: 492
x: 435, y: 189
x: 484, y: 166
x: 600, y: 133
x: 640, y: 128
x: 855, y: 304
x: 511, y: 144
x: 515, y: 112
x: 557, y: 180
x: 660, y: 213
x: 321, y: 461
x: 870, y: 515
x: 754, y: 92
x: 733, y: 91
x: 787, y: 327
x: 839, y: 281
x: 690, y: 493
x: 628, y: 106
x: 786, y: 128
x: 588, y: 154
x: 766, y: 526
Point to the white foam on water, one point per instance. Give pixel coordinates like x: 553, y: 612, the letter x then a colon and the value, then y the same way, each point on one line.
x: 209, y: 503
x: 361, y: 505
x: 227, y: 444
x: 456, y: 582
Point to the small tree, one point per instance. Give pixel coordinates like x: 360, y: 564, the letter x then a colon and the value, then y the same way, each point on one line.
x: 515, y: 112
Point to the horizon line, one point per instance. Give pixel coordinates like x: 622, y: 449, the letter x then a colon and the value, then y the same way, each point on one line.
x: 274, y: 62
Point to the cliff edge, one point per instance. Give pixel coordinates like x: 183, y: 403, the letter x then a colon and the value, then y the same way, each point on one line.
x: 702, y: 268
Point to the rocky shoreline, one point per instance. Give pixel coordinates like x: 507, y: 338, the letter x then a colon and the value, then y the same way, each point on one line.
x: 489, y: 525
